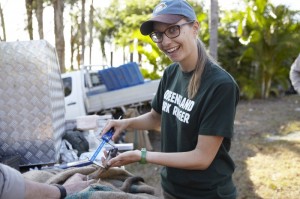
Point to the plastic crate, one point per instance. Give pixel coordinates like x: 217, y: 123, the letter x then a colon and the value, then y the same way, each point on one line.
x: 132, y: 74
x: 110, y: 79
x: 121, y: 78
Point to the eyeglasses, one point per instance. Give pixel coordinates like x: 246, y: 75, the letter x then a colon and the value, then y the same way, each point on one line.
x: 171, y: 32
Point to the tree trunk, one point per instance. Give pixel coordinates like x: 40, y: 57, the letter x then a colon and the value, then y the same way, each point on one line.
x: 58, y: 6
x: 213, y: 29
x: 91, y: 30
x: 72, y: 42
x: 39, y: 17
x: 29, y: 18
x: 78, y: 57
x: 2, y: 25
x: 82, y: 30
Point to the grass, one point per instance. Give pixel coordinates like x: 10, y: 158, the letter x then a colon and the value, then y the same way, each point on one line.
x: 275, y: 170
x: 289, y: 127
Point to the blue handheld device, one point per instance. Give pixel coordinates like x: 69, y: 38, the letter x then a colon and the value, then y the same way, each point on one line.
x: 105, y: 139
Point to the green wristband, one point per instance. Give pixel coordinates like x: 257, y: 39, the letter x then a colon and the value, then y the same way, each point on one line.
x: 143, y: 156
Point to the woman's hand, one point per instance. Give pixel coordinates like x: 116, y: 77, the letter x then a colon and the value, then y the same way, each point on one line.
x: 147, y: 121
x: 117, y: 125
x: 125, y: 158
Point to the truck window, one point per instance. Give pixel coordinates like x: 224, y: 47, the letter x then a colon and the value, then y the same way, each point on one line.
x: 67, y: 82
x: 95, y: 80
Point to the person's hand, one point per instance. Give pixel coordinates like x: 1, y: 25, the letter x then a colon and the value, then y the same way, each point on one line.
x: 76, y: 183
x: 118, y: 125
x: 125, y: 158
x: 108, y: 156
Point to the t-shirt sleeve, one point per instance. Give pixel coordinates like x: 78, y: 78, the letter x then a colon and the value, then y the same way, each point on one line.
x: 219, y: 115
x: 12, y: 184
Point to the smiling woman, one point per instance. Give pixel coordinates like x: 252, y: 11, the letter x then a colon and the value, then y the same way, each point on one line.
x: 194, y: 107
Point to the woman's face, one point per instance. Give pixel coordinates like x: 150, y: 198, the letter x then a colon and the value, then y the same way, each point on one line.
x: 181, y: 48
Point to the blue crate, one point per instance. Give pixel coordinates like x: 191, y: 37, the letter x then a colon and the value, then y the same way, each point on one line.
x: 110, y: 79
x: 132, y: 74
x: 121, y: 78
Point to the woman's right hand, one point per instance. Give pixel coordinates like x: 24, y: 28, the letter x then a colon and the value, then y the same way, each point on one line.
x: 117, y: 125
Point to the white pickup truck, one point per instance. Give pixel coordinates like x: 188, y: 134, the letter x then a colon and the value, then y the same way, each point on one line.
x: 91, y: 92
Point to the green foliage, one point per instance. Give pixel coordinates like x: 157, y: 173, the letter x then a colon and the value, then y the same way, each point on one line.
x: 257, y: 44
x: 120, y: 23
x: 149, y: 75
x: 270, y: 39
x: 202, y: 17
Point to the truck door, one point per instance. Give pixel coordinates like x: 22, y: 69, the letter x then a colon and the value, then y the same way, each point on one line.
x: 74, y: 104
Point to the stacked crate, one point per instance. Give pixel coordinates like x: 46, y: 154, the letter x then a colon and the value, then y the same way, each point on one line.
x: 122, y: 76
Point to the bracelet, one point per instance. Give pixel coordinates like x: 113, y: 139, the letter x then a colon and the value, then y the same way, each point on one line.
x: 143, y: 156
x: 62, y: 190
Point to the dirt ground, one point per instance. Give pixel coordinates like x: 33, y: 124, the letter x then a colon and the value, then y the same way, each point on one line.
x: 265, y: 148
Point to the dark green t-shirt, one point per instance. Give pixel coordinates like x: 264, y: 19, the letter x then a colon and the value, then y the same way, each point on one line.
x: 210, y: 112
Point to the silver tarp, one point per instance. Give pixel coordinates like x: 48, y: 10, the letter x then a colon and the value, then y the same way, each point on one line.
x: 31, y: 102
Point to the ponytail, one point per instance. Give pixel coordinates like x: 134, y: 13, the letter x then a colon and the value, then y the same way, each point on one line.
x: 203, y: 58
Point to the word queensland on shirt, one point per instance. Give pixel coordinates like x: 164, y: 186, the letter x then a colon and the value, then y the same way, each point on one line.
x: 177, y: 105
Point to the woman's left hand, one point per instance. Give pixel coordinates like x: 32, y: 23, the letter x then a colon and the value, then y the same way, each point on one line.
x: 125, y: 158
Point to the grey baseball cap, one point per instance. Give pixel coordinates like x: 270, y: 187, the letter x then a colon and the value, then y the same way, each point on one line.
x: 169, y: 12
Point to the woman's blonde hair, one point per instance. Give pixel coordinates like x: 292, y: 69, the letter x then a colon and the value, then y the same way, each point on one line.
x: 203, y: 58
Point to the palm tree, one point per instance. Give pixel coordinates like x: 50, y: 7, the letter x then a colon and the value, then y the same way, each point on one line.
x: 37, y: 6
x: 29, y: 11
x: 82, y: 31
x: 91, y: 16
x: 2, y: 25
x: 58, y: 6
x: 213, y: 28
x: 39, y: 17
x: 271, y: 38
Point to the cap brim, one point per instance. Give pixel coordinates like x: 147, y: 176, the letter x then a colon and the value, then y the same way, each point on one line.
x: 147, y: 27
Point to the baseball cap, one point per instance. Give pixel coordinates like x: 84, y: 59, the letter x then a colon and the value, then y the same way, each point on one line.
x: 169, y: 12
